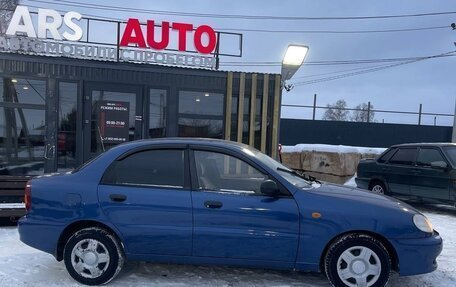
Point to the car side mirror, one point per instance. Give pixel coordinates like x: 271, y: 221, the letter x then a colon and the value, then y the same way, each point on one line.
x: 269, y: 188
x: 439, y: 164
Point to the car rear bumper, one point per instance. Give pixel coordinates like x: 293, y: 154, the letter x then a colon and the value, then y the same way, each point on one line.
x: 362, y: 182
x: 418, y: 256
x: 38, y: 234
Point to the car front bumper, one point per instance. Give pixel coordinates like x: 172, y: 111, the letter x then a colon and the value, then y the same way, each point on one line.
x: 418, y: 256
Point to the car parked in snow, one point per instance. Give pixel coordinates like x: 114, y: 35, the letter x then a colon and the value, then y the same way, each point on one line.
x: 200, y: 201
x: 424, y: 171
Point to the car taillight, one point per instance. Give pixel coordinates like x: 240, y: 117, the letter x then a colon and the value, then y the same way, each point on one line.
x: 28, y: 196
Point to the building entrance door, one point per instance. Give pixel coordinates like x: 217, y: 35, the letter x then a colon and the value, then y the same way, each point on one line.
x: 113, y: 114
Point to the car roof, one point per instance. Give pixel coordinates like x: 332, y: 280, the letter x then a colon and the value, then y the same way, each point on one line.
x: 185, y: 140
x: 425, y: 144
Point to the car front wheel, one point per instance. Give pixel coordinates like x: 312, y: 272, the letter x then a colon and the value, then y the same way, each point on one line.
x: 358, y: 260
x: 93, y: 256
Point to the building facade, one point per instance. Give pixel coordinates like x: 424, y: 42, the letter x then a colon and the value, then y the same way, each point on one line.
x: 59, y: 112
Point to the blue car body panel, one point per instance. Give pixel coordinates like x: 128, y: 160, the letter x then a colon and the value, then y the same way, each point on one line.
x: 166, y: 225
x: 246, y: 227
x: 151, y: 220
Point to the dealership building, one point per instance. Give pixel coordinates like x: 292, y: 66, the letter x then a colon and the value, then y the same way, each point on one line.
x: 67, y: 94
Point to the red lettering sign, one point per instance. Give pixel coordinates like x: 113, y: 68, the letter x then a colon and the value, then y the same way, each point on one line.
x: 198, y: 39
x: 133, y: 36
x: 133, y: 27
x: 151, y: 35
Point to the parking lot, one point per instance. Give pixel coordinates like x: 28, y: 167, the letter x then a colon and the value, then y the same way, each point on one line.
x: 21, y: 265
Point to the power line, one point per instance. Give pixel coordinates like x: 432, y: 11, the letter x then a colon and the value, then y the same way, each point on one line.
x: 337, y: 62
x: 233, y: 16
x: 369, y: 70
x: 334, y: 31
x: 337, y: 72
x: 398, y: 30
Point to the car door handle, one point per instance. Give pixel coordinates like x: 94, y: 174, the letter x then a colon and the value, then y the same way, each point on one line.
x: 213, y: 204
x: 118, y: 197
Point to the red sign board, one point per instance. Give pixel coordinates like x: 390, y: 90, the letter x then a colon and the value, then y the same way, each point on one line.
x: 133, y: 35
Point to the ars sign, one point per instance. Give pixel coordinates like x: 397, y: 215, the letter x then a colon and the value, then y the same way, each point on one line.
x: 48, y: 21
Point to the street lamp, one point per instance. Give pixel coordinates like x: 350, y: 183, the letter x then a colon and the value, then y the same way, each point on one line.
x: 293, y: 59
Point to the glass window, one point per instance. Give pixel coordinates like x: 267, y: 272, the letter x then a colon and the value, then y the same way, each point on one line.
x: 157, y: 113
x: 234, y: 118
x: 98, y: 143
x: 66, y: 137
x: 451, y: 153
x: 201, y: 103
x: 164, y: 168
x: 383, y: 158
x: 404, y: 156
x: 426, y: 156
x: 22, y: 126
x: 200, y: 114
x: 246, y: 119
x: 25, y: 91
x: 221, y: 172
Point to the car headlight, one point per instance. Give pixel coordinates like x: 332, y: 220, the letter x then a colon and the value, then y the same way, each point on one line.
x: 422, y: 223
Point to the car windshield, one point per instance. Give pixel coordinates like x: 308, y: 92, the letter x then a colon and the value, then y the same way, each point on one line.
x: 288, y: 174
x: 451, y: 153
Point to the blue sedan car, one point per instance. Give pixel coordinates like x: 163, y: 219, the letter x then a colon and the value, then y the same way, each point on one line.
x: 200, y: 201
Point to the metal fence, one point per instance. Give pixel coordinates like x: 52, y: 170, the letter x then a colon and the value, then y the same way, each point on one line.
x: 370, y: 110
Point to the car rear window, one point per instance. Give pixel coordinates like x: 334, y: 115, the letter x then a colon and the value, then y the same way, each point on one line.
x: 383, y: 158
x: 405, y: 156
x: 163, y: 168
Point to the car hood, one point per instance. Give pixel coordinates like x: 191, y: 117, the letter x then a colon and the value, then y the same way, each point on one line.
x: 361, y: 196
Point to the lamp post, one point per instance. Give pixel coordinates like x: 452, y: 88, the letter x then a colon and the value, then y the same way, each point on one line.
x: 293, y: 59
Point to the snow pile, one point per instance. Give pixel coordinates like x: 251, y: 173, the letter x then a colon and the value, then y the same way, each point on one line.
x: 351, y: 182
x: 21, y: 265
x: 332, y: 148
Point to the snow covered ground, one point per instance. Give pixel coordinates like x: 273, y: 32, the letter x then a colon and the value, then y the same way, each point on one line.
x: 21, y: 265
x: 332, y: 148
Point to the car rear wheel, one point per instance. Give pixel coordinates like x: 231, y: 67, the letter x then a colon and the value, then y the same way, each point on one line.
x: 358, y: 260
x: 378, y: 187
x: 93, y: 256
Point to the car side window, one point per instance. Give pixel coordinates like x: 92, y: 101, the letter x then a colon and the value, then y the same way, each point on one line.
x: 427, y: 155
x: 225, y: 173
x: 158, y: 168
x: 404, y: 156
x: 387, y: 155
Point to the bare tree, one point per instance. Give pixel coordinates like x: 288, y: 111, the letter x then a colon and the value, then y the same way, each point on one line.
x: 7, y: 8
x: 336, y: 112
x: 363, y: 112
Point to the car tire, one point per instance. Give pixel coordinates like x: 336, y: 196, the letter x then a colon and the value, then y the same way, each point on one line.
x: 357, y: 260
x: 93, y: 256
x: 378, y: 187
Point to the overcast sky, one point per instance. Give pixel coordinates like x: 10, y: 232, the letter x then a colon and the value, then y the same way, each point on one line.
x: 431, y: 82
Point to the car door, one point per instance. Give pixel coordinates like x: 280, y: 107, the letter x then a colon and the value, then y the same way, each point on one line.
x: 146, y: 195
x: 429, y: 182
x: 232, y: 219
x: 398, y: 170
